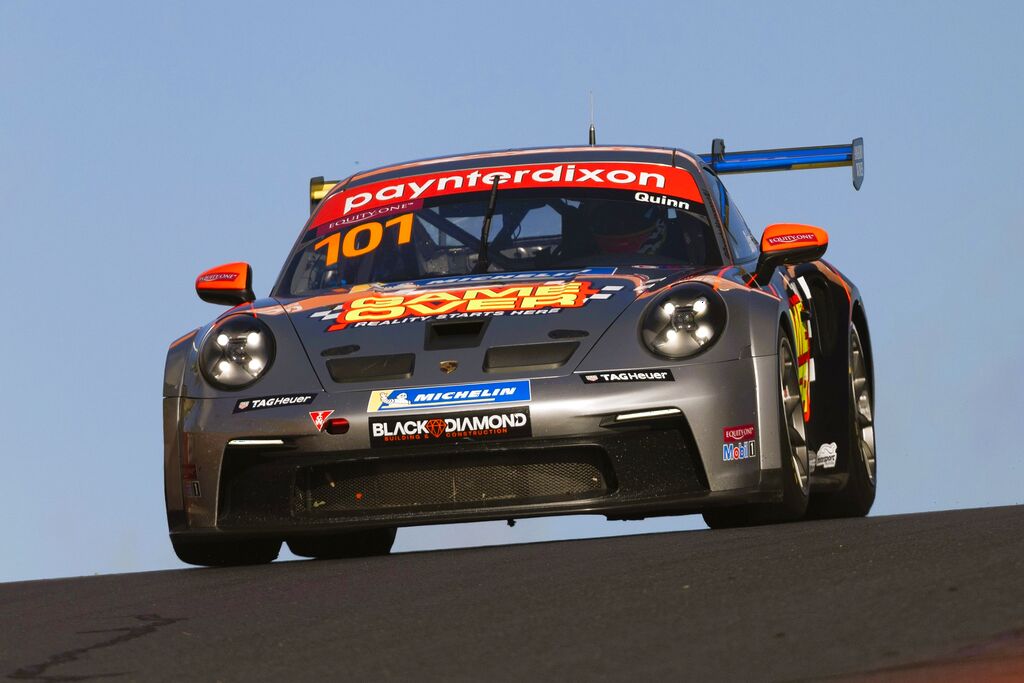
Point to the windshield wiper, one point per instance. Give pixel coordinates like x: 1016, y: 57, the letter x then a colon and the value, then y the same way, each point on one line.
x: 483, y: 261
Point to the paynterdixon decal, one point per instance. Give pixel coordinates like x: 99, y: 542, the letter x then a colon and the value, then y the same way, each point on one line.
x: 387, y: 400
x: 609, y: 175
x: 648, y: 375
x: 377, y: 309
x: 250, y: 404
x: 739, y: 442
x: 403, y: 430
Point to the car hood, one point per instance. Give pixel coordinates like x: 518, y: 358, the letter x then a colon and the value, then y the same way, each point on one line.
x: 465, y: 329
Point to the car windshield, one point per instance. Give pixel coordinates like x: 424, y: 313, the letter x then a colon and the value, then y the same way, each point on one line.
x: 369, y: 235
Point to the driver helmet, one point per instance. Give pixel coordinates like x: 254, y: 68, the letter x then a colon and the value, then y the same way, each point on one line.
x: 627, y: 228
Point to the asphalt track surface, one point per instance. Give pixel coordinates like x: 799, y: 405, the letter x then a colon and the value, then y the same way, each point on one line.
x: 913, y: 597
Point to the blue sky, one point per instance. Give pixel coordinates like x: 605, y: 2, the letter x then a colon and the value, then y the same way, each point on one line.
x: 141, y: 143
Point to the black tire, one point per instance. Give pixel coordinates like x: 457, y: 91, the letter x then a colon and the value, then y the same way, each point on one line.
x: 341, y: 545
x: 226, y: 552
x: 856, y: 498
x: 793, y: 448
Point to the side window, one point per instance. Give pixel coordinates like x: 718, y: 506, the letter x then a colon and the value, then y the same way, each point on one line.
x: 742, y: 243
x: 717, y: 192
x: 744, y: 246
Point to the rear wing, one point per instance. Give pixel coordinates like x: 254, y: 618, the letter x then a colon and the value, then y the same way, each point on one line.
x: 792, y: 159
x: 318, y: 189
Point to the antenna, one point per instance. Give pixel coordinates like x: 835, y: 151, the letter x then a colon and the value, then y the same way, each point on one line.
x: 593, y: 131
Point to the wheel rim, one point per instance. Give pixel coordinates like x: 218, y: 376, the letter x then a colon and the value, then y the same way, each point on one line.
x: 793, y: 415
x: 863, y: 412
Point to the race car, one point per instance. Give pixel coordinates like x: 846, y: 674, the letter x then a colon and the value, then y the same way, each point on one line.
x: 512, y: 334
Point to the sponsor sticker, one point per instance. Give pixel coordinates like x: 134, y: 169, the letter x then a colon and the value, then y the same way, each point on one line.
x: 826, y: 456
x: 634, y: 176
x: 427, y: 428
x: 319, y: 418
x: 219, y: 277
x: 661, y: 200
x: 740, y: 442
x: 645, y: 375
x: 387, y: 400
x: 371, y: 215
x: 516, y: 299
x: 250, y: 404
x: 794, y: 238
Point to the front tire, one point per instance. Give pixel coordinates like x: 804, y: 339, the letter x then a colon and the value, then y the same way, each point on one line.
x: 792, y: 448
x: 343, y: 545
x: 857, y: 497
x: 225, y: 552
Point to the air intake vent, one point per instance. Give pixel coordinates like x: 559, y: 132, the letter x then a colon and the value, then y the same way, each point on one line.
x: 567, y: 334
x: 454, y: 335
x: 529, y: 356
x: 364, y: 368
x: 466, y: 481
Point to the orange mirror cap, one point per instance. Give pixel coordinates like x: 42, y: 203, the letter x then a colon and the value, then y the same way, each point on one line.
x: 228, y: 285
x: 232, y: 276
x: 784, y: 236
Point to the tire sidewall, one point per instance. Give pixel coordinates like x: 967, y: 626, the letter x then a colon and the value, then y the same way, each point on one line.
x: 794, y: 498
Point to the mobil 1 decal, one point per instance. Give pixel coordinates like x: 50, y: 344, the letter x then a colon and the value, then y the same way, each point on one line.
x: 439, y: 428
x: 739, y: 442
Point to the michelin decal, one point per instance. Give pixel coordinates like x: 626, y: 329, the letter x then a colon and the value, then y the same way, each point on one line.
x: 388, y: 400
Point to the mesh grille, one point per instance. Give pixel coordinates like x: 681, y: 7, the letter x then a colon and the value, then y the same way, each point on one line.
x: 448, y: 482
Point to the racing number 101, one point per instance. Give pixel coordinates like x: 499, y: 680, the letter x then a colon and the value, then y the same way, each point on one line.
x: 375, y: 233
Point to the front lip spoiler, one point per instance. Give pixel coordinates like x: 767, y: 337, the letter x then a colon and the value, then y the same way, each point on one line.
x: 689, y: 503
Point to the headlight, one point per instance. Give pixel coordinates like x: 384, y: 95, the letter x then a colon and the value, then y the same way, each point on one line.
x: 684, y: 321
x: 236, y: 352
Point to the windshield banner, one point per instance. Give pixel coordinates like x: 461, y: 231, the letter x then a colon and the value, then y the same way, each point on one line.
x: 337, y: 210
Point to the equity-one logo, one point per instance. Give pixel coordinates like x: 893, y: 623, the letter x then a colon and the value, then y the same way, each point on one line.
x: 740, y: 433
x: 787, y: 239
x: 216, y: 277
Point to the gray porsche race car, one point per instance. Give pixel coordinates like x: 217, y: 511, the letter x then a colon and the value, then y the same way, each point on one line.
x: 512, y: 334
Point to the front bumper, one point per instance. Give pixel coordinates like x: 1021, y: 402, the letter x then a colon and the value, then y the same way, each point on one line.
x: 577, y: 461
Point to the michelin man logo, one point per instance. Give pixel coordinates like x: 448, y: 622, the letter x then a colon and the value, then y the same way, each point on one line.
x: 398, y: 401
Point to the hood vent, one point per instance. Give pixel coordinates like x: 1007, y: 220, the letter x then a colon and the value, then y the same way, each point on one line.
x: 339, y: 350
x: 529, y: 356
x: 459, y: 334
x: 568, y: 334
x: 363, y: 368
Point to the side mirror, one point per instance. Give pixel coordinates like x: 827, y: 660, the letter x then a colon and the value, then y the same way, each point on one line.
x: 229, y: 284
x: 789, y: 244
